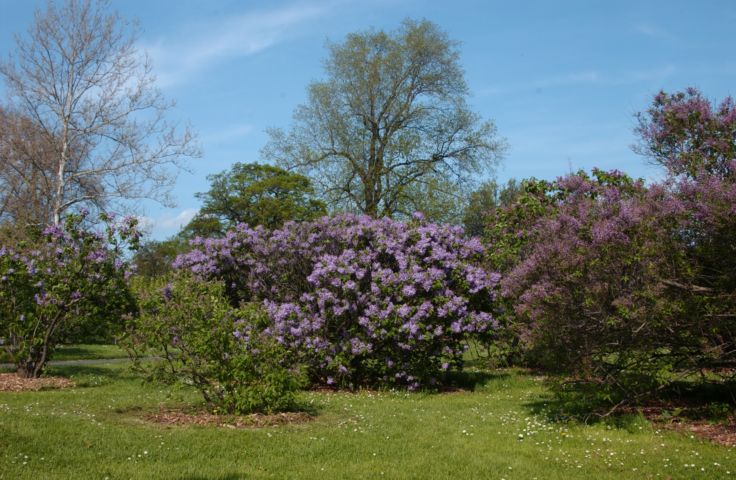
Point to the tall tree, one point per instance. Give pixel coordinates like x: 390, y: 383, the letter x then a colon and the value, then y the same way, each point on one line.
x: 154, y: 257
x: 90, y: 94
x: 483, y: 202
x: 25, y: 160
x: 390, y: 118
x: 254, y: 194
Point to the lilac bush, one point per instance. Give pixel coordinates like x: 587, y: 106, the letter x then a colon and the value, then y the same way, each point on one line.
x: 626, y: 285
x: 591, y: 286
x: 688, y: 135
x: 67, y: 279
x: 695, y: 140
x: 361, y: 301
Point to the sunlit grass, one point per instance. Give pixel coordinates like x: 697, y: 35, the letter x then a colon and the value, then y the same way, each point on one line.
x: 96, y: 430
x: 89, y: 352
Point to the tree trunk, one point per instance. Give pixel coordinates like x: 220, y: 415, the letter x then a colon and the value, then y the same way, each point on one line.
x: 59, y: 193
x: 371, y: 208
x: 27, y: 369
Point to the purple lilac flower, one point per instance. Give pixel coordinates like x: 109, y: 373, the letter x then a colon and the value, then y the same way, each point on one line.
x: 355, y: 286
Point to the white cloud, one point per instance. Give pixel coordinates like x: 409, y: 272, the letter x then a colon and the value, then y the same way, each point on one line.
x: 166, y: 224
x: 187, y: 53
x: 647, y: 75
x: 233, y: 132
x: 570, y: 79
x: 653, y: 31
x: 584, y: 78
x: 178, y: 221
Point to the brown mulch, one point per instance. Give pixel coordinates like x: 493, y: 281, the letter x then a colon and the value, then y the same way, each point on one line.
x: 11, y: 382
x: 256, y: 420
x: 720, y: 433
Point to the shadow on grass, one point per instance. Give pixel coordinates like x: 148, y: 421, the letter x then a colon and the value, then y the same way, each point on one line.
x: 114, y: 373
x: 584, y: 403
x: 712, y: 401
x: 228, y: 476
x: 311, y: 409
x: 472, y: 380
x: 87, y: 376
x: 67, y: 352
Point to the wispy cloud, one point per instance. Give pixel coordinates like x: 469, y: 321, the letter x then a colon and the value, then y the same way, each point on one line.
x: 653, y: 31
x: 584, y: 78
x: 636, y: 76
x: 232, y: 132
x: 545, y: 150
x: 181, y: 56
x: 569, y: 79
x: 168, y: 223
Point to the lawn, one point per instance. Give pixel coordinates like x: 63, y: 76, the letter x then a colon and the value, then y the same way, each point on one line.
x: 88, y: 352
x: 82, y: 352
x: 498, y: 430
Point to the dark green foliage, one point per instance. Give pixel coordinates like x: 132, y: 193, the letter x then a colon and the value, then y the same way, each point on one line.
x: 509, y: 227
x: 485, y: 201
x: 203, y: 341
x: 254, y: 194
x: 202, y: 225
x: 154, y: 257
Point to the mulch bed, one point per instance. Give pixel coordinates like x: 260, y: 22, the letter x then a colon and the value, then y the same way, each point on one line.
x: 256, y: 420
x: 720, y: 433
x: 11, y: 382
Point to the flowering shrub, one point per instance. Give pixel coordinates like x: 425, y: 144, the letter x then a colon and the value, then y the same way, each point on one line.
x: 68, y: 278
x: 591, y: 284
x: 609, y: 286
x: 361, y: 301
x: 695, y: 140
x: 205, y: 342
x: 689, y: 136
x: 625, y: 285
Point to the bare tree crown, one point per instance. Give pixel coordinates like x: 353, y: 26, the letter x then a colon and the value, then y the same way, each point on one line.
x: 78, y: 76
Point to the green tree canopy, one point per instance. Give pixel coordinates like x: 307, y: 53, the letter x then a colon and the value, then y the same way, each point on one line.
x: 154, y: 257
x: 254, y: 194
x: 484, y: 201
x: 389, y: 120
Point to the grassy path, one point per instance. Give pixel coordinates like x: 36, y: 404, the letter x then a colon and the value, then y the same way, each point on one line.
x: 64, y: 363
x: 72, y: 354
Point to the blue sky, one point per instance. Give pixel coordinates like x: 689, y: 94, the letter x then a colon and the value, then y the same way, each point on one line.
x: 561, y: 80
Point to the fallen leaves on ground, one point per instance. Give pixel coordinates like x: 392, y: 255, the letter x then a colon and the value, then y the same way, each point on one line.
x: 11, y: 382
x: 720, y: 433
x: 256, y: 420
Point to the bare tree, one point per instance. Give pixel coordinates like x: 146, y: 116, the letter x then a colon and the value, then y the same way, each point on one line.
x: 26, y: 160
x: 90, y: 95
x: 389, y: 124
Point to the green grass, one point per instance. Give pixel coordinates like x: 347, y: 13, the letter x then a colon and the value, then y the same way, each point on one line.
x: 499, y: 430
x: 83, y: 352
x: 88, y: 352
